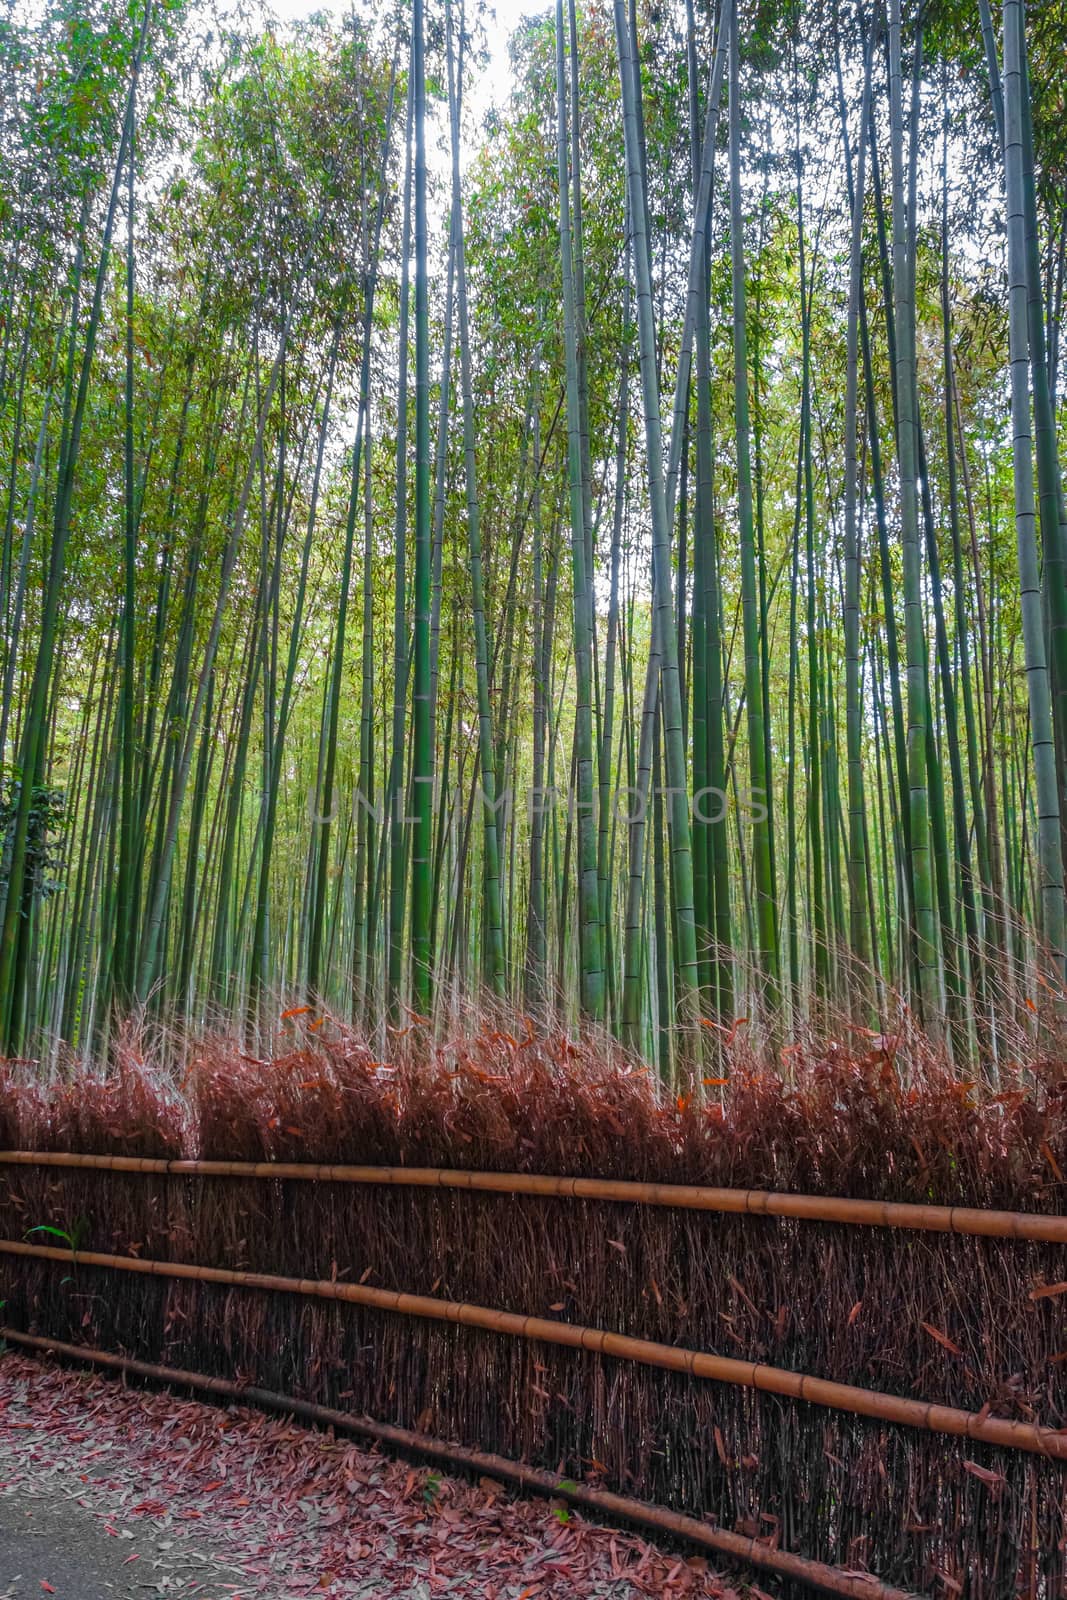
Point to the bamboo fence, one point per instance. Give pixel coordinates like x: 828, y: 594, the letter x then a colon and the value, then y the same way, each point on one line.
x: 669, y: 1358
x: 826, y: 1319
x: 974, y: 1221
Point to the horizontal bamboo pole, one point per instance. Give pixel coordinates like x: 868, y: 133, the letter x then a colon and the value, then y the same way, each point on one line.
x: 814, y: 1574
x: 972, y: 1220
x: 621, y: 1346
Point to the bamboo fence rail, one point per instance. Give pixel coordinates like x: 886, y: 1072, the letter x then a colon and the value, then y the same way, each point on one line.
x: 814, y: 1574
x: 896, y: 1409
x: 971, y: 1220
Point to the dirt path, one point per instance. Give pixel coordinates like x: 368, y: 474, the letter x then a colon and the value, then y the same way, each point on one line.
x: 112, y: 1492
x: 61, y: 1539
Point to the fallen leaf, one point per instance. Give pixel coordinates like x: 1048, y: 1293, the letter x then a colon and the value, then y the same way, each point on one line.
x: 1046, y: 1151
x: 943, y: 1338
x: 992, y: 1480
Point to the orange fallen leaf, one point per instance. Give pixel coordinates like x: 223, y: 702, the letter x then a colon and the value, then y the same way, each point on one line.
x: 992, y: 1480
x: 1046, y: 1151
x: 1045, y: 1291
x: 943, y: 1338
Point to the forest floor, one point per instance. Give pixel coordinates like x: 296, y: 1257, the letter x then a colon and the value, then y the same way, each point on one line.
x: 108, y: 1491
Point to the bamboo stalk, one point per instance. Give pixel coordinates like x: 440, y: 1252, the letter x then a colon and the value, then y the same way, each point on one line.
x: 646, y: 1352
x: 975, y: 1221
x: 816, y: 1575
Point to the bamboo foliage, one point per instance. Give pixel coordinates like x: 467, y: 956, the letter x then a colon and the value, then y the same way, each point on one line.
x: 301, y: 706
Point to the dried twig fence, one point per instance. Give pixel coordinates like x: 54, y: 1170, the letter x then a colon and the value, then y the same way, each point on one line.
x: 973, y: 1220
x: 659, y: 1335
x: 669, y: 1358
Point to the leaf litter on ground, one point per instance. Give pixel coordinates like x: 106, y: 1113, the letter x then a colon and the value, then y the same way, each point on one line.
x: 233, y: 1504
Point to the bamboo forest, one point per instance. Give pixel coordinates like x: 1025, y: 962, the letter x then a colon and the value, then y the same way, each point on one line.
x: 562, y: 517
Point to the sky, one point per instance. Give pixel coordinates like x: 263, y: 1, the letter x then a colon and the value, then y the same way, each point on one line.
x: 492, y: 86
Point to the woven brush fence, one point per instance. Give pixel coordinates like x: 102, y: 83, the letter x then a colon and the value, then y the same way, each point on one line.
x: 972, y: 1323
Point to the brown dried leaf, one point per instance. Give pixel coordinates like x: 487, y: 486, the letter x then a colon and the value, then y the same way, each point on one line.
x: 943, y: 1338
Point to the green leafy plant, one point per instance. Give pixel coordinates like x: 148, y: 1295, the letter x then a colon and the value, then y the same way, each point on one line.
x: 74, y: 1240
x: 45, y: 839
x: 562, y: 1512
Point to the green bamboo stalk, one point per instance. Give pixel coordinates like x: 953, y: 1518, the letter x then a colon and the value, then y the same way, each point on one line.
x: 663, y: 597
x: 495, y: 972
x: 1049, y: 858
x: 591, y: 947
x: 766, y: 911
x: 914, y: 634
x: 857, y: 808
x: 31, y: 755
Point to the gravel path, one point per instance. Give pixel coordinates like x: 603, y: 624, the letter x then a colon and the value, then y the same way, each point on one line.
x: 107, y: 1492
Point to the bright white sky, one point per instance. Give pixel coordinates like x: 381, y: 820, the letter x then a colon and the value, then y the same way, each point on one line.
x: 492, y: 86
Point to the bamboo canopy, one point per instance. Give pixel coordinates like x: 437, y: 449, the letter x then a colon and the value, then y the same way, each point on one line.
x: 972, y: 1220
x: 698, y: 1364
